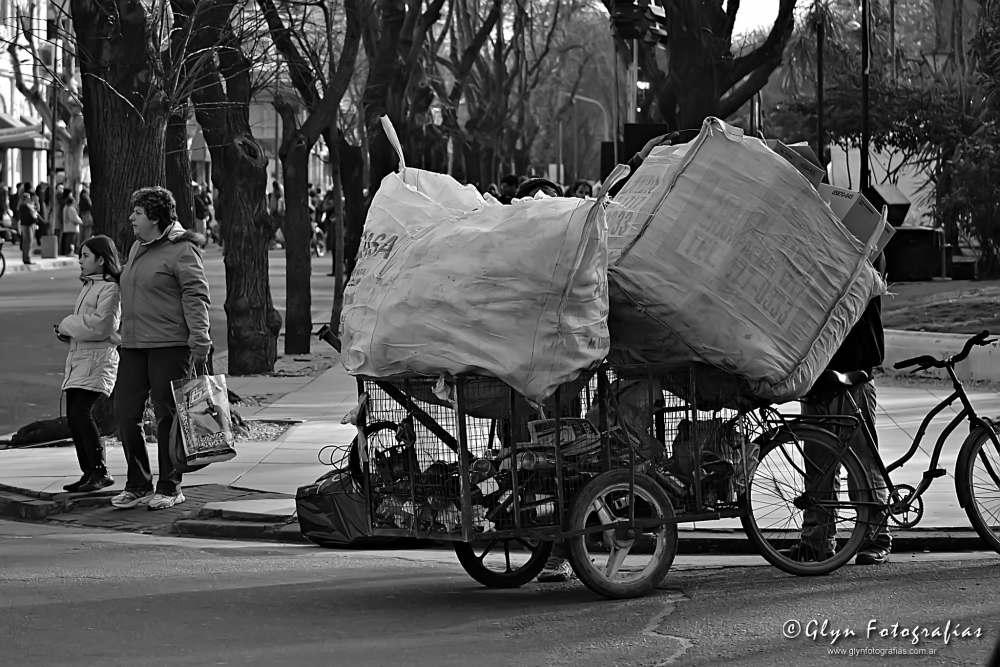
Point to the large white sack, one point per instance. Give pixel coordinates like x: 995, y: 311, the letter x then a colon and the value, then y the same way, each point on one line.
x: 723, y: 254
x: 517, y: 292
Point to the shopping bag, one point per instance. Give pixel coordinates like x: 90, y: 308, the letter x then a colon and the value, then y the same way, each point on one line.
x: 203, y: 426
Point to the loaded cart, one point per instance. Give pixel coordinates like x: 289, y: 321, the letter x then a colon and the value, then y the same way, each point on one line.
x: 610, y: 464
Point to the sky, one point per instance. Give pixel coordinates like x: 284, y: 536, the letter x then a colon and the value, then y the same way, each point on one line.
x: 755, y: 14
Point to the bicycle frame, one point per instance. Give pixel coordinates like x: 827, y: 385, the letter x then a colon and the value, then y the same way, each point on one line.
x: 968, y: 412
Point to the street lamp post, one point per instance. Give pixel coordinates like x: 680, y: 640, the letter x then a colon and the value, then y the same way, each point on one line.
x: 937, y: 61
x: 865, y: 72
x: 820, y: 46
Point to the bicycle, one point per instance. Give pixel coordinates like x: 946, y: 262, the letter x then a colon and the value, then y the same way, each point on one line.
x: 830, y: 458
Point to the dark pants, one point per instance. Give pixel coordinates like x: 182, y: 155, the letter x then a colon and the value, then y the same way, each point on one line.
x: 26, y: 234
x: 83, y: 428
x: 68, y: 243
x: 819, y: 527
x: 146, y: 373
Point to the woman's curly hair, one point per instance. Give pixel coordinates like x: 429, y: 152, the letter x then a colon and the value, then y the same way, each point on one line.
x: 158, y: 203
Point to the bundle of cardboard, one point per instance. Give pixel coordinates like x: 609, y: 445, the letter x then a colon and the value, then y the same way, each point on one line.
x: 723, y: 253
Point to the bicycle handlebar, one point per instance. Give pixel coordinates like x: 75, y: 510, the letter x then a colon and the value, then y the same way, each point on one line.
x: 926, y: 361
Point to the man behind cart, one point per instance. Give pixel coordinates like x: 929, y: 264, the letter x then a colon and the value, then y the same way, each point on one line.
x: 862, y: 350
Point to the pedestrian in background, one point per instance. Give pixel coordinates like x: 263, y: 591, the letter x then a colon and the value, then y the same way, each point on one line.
x: 200, y: 210
x: 27, y: 215
x: 508, y: 188
x: 276, y: 207
x: 164, y: 337
x: 581, y: 189
x: 85, y: 207
x: 40, y: 199
x: 71, y: 223
x: 92, y: 362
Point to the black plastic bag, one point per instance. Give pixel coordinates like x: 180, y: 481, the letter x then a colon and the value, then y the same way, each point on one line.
x: 332, y: 514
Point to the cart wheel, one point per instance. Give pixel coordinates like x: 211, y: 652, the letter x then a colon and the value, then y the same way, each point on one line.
x: 602, y: 564
x: 490, y: 561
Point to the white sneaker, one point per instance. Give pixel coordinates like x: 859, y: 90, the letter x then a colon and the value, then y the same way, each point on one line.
x: 161, y: 501
x: 556, y: 569
x: 129, y: 499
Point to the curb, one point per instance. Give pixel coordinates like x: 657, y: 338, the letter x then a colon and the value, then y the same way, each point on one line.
x: 43, y: 265
x: 39, y: 506
x: 911, y: 541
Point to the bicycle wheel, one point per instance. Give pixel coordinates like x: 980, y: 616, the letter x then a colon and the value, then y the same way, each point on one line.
x: 3, y: 264
x: 495, y: 568
x: 609, y: 565
x: 977, y: 479
x: 778, y: 499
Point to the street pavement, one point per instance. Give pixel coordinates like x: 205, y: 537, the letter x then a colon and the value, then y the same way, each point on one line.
x: 32, y: 359
x: 72, y: 598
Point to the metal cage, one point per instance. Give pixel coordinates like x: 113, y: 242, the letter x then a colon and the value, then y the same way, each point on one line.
x: 474, y: 459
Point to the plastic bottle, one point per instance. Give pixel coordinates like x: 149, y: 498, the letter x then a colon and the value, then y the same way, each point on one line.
x: 535, y: 461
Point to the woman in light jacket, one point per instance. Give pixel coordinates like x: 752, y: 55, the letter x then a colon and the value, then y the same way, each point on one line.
x: 92, y: 363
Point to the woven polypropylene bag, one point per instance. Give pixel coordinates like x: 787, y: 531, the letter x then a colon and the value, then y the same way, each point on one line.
x: 448, y: 283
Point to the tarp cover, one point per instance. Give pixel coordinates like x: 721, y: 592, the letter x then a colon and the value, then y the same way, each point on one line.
x: 723, y: 254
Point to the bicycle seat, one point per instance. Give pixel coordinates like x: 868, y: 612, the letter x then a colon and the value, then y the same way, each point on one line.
x: 833, y: 383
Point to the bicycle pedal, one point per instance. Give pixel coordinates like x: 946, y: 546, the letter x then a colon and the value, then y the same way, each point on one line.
x: 934, y: 474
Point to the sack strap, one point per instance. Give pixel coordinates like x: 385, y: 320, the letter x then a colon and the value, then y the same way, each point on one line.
x: 390, y: 132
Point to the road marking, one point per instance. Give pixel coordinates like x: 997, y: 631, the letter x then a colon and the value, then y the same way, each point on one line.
x: 652, y: 628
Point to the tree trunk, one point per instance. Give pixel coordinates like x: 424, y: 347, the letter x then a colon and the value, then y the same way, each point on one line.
x: 298, y: 233
x: 352, y: 181
x: 124, y: 108
x: 178, y: 168
x: 252, y: 322
x: 697, y: 97
x: 239, y: 171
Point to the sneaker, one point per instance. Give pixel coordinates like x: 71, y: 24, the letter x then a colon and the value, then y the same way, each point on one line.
x: 128, y: 499
x: 99, y: 480
x: 162, y: 501
x: 803, y: 553
x: 872, y: 555
x: 75, y: 486
x: 556, y: 569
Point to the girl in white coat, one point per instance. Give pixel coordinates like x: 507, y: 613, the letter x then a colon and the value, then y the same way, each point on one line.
x: 92, y: 363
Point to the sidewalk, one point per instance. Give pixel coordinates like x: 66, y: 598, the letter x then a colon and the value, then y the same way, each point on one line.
x: 233, y: 499
x: 15, y: 265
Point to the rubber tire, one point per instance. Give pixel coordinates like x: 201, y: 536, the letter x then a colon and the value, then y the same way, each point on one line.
x: 853, y: 544
x: 963, y: 485
x: 3, y: 263
x: 492, y: 579
x: 579, y: 557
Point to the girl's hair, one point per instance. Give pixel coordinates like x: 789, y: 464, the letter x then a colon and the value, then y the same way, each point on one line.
x: 158, y: 203
x: 572, y: 190
x: 104, y: 248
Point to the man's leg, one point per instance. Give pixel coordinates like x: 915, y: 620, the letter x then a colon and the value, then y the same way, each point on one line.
x: 557, y: 567
x: 819, y: 526
x: 166, y: 364
x: 131, y: 391
x: 877, y: 549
